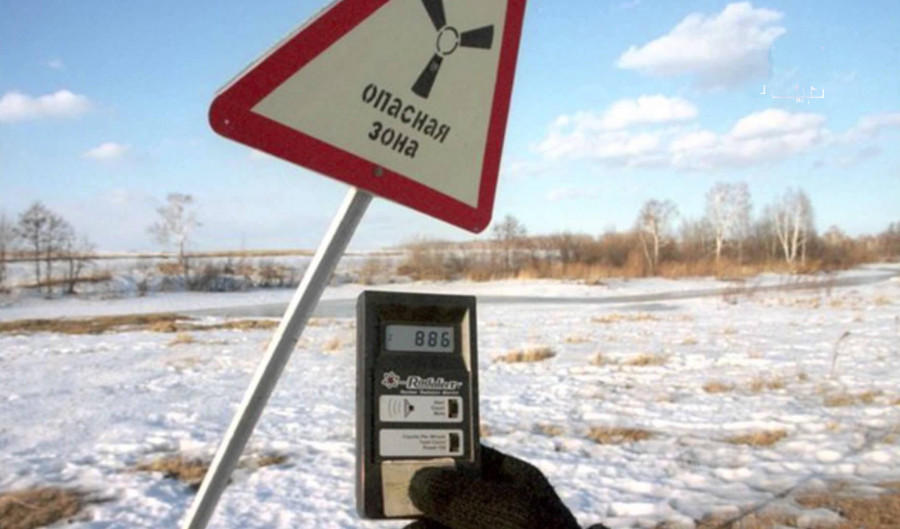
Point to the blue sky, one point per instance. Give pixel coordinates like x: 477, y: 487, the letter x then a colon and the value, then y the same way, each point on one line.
x: 103, y: 112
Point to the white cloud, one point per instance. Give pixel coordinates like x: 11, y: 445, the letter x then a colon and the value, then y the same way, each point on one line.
x: 560, y: 194
x: 858, y: 157
x: 15, y: 106
x: 869, y: 127
x: 56, y: 64
x: 762, y: 137
x: 589, y: 135
x: 723, y: 50
x: 108, y: 152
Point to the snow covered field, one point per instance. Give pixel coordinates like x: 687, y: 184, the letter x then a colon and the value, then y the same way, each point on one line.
x: 695, y: 374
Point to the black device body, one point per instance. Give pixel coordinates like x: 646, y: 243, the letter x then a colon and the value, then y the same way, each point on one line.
x: 416, y: 394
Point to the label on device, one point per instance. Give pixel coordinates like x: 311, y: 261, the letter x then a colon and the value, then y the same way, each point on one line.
x: 419, y: 409
x: 420, y: 443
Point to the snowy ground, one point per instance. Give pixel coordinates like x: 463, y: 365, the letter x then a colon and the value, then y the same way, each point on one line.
x: 83, y: 410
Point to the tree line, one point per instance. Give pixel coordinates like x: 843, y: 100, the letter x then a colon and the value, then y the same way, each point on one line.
x: 60, y: 256
x: 726, y: 239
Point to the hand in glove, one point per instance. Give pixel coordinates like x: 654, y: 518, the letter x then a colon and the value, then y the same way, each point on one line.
x: 510, y: 494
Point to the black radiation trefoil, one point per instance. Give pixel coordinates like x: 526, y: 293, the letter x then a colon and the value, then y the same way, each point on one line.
x: 448, y: 40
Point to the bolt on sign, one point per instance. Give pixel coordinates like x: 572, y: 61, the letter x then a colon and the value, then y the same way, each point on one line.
x: 406, y: 99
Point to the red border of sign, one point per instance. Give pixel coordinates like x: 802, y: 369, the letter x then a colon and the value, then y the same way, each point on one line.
x: 230, y: 116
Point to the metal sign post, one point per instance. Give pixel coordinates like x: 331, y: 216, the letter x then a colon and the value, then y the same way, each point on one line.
x: 277, y: 354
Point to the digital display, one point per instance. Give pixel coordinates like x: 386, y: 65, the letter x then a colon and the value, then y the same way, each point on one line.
x: 419, y: 338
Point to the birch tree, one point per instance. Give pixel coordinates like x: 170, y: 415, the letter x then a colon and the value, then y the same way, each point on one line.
x: 652, y: 224
x: 175, y: 226
x: 728, y: 212
x: 792, y: 219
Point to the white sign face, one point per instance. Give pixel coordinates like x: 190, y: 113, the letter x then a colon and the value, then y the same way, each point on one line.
x: 411, y: 88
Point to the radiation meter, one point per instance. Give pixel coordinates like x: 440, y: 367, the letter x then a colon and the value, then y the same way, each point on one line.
x: 416, y: 395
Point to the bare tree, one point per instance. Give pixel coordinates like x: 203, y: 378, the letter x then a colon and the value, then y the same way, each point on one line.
x: 697, y: 238
x: 792, y: 219
x: 177, y: 222
x: 652, y: 224
x: 78, y: 254
x: 509, y: 233
x: 45, y: 233
x: 58, y: 235
x: 728, y: 212
x: 7, y: 238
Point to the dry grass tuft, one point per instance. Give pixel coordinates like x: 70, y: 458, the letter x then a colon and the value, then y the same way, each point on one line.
x: 690, y: 340
x: 40, y: 507
x: 756, y: 439
x: 550, y: 430
x: 878, y: 512
x: 839, y: 400
x: 164, y: 323
x: 869, y: 397
x: 575, y: 338
x: 182, y: 338
x: 775, y: 520
x: 618, y: 317
x: 187, y: 470
x: 881, y: 512
x: 241, y: 325
x: 716, y: 386
x: 605, y: 435
x: 529, y: 354
x: 758, y: 384
x: 332, y: 344
x: 96, y: 325
x: 599, y: 360
x: 484, y: 430
x: 191, y: 470
x: 646, y: 360
x: 881, y: 301
x: 269, y: 460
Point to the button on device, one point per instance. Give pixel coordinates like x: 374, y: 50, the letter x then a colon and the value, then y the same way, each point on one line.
x: 402, y: 408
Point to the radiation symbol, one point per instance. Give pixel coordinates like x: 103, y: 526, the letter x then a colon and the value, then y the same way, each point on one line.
x: 449, y: 39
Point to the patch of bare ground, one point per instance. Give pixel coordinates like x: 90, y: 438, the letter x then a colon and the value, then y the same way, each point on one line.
x: 758, y: 439
x: 528, y: 354
x: 191, y: 470
x: 39, y: 507
x: 606, y: 435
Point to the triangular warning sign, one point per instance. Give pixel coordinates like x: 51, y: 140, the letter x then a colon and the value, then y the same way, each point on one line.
x: 407, y: 99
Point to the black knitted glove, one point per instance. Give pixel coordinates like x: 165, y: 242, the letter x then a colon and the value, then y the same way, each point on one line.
x: 511, y: 494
